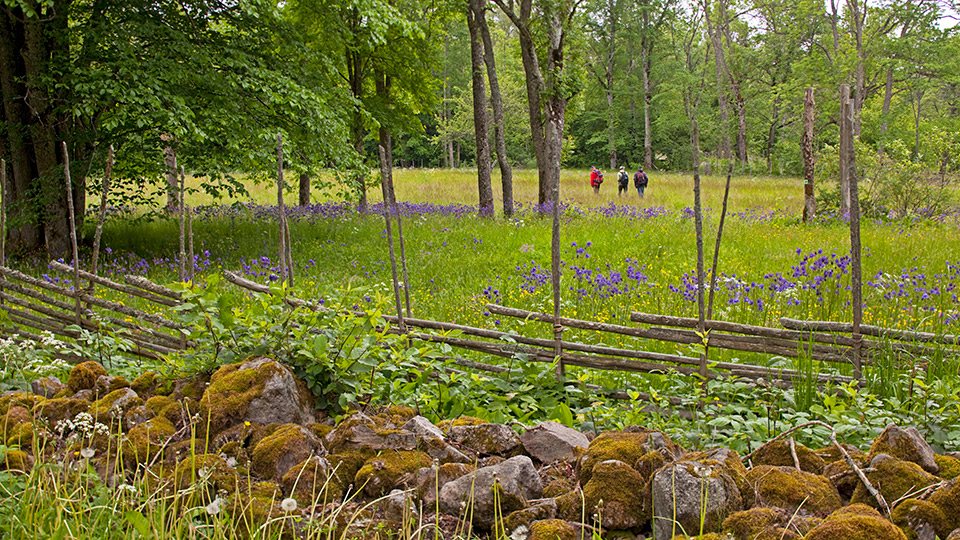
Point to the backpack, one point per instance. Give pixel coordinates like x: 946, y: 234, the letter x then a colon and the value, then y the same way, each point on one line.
x: 640, y: 179
x: 599, y: 177
x: 624, y: 178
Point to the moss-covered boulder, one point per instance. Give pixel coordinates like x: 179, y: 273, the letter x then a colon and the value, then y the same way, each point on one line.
x: 949, y: 466
x: 790, y: 489
x: 146, y: 440
x: 429, y: 480
x: 312, y: 481
x: 47, y: 387
x: 360, y: 432
x: 621, y: 446
x: 733, y: 467
x: 613, y: 494
x: 114, y: 405
x: 164, y: 406
x: 552, y: 529
x: 19, y: 399
x: 761, y: 523
x: 16, y: 461
x: 24, y: 435
x: 919, y: 518
x: 487, y: 439
x: 855, y: 522
x: 906, y: 444
x: 692, y: 496
x: 15, y: 416
x: 778, y: 453
x: 894, y: 478
x: 84, y: 376
x: 260, y: 391
x: 288, y: 445
x: 208, y: 470
x: 388, y: 470
x: 57, y: 409
x: 146, y: 383
x: 947, y: 498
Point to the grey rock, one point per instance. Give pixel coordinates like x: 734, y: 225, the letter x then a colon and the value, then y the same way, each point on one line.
x: 281, y: 401
x: 47, y: 386
x: 360, y: 432
x: 518, y: 483
x: 430, y: 480
x: 423, y: 428
x: 86, y: 394
x: 486, y: 438
x: 276, y: 453
x: 678, y: 498
x: 551, y: 441
x: 399, y: 506
x: 906, y: 444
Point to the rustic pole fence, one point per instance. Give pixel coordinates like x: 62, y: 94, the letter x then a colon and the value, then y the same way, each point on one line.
x: 73, y: 229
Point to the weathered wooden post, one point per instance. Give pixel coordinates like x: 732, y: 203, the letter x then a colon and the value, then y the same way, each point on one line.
x: 844, y: 150
x: 698, y: 224
x: 3, y: 212
x: 806, y: 146
x: 193, y: 265
x: 561, y: 369
x: 101, y: 215
x: 73, y: 231
x: 848, y: 162
x: 182, y: 269
x: 282, y: 218
x: 386, y: 216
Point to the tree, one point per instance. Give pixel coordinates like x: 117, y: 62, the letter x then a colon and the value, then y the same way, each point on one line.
x: 548, y: 90
x: 217, y: 79
x: 474, y: 10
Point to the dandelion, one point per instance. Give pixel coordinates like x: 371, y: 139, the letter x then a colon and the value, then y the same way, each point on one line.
x: 289, y: 504
x: 214, y: 507
x: 87, y: 453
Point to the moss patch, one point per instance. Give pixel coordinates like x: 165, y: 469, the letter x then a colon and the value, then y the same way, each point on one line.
x: 949, y: 466
x: 790, y: 489
x: 894, y: 478
x: 778, y: 454
x: 383, y: 472
x: 552, y: 529
x: 227, y: 399
x: 165, y: 407
x: 311, y: 480
x: 19, y: 399
x: 84, y: 376
x: 856, y: 522
x: 612, y: 493
x: 17, y: 460
x: 625, y: 447
x: 206, y: 468
x: 118, y: 400
x: 288, y: 445
x: 55, y: 410
x: 947, y: 498
x: 911, y: 514
x: 145, y: 440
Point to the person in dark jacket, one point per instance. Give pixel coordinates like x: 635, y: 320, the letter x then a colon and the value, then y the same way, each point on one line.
x: 623, y: 180
x: 640, y: 181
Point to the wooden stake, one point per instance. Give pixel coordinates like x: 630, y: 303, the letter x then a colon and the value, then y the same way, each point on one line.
x: 183, y: 255
x: 102, y: 214
x: 844, y: 150
x: 698, y: 224
x: 73, y: 229
x: 560, y: 370
x: 856, y: 278
x: 190, y: 243
x: 403, y: 255
x: 386, y: 217
x: 716, y: 248
x: 281, y: 213
x: 809, y: 158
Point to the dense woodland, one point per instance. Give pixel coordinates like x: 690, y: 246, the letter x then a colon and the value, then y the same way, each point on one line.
x: 209, y: 83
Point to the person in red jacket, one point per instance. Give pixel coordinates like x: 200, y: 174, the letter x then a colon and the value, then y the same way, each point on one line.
x: 596, y: 178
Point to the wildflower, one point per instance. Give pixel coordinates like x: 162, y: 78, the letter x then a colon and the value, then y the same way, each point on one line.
x: 289, y: 504
x: 87, y: 453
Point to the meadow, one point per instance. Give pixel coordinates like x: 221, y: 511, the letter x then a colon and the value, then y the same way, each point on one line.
x: 618, y: 255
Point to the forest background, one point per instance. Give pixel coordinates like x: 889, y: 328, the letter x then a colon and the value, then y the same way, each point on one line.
x: 561, y: 83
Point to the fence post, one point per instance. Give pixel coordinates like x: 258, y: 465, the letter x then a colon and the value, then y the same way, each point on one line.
x: 848, y: 163
x: 101, y: 215
x: 846, y: 126
x: 183, y: 254
x: 806, y: 146
x: 73, y: 231
x: 286, y: 274
x: 386, y: 216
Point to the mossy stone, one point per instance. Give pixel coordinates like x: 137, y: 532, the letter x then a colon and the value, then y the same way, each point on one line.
x: 947, y: 498
x: 620, y: 446
x: 17, y: 460
x: 57, y: 409
x: 21, y: 435
x: 949, y: 466
x: 855, y: 522
x: 525, y: 517
x: 558, y: 486
x: 570, y: 506
x: 613, y: 495
x: 145, y: 440
x: 790, y: 489
x: 760, y: 523
x: 235, y: 451
x: 777, y: 453
x: 394, y: 416
x: 320, y: 430
x: 165, y: 407
x: 26, y: 400
x: 552, y: 529
x: 905, y: 444
x: 146, y: 383
x: 15, y: 417
x: 911, y: 514
x: 84, y: 376
x: 383, y: 472
x: 117, y: 401
x: 207, y: 468
x: 708, y: 536
x: 288, y: 445
x: 894, y: 478
x: 311, y: 480
x: 734, y: 468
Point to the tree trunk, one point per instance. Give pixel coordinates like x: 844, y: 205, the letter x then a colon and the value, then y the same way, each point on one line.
x: 645, y: 53
x: 772, y: 132
x: 809, y: 158
x: 304, y: 189
x: 480, y: 121
x: 609, y: 67
x: 506, y: 171
x: 716, y: 42
x: 170, y: 168
x: 885, y: 113
x: 844, y: 151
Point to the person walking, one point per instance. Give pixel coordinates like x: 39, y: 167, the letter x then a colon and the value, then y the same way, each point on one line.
x: 623, y: 180
x: 640, y: 181
x: 596, y: 178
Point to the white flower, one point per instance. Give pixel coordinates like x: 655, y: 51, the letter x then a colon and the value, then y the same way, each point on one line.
x: 214, y: 507
x: 127, y: 487
x: 289, y: 504
x: 87, y: 453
